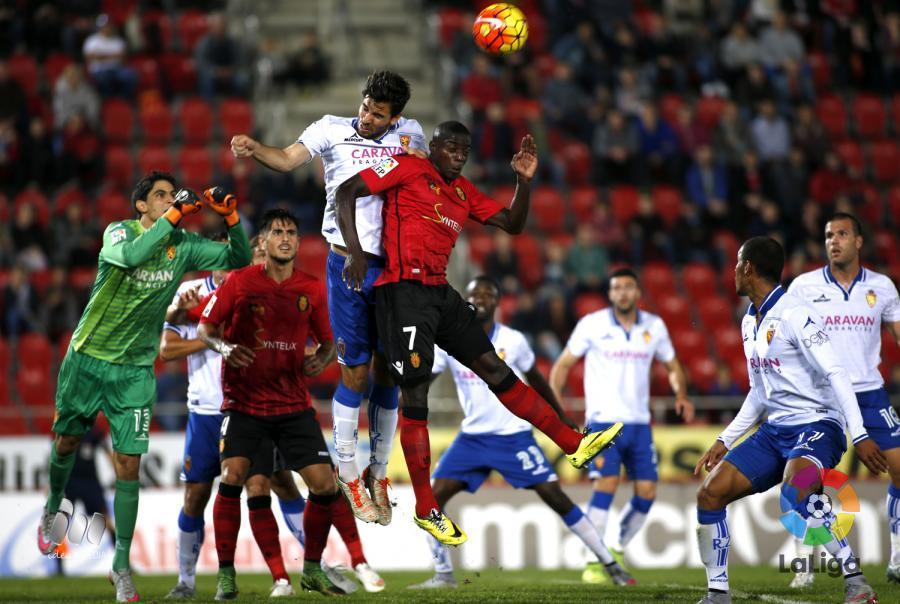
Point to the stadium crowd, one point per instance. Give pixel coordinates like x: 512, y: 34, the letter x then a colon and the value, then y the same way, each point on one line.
x: 668, y: 132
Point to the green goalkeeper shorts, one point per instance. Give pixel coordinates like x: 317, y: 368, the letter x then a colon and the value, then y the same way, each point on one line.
x: 125, y: 393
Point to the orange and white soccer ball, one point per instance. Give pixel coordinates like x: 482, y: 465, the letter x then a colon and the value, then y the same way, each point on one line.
x: 500, y: 29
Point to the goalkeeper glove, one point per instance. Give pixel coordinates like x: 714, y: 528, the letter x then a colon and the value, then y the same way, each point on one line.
x: 223, y: 203
x: 186, y: 202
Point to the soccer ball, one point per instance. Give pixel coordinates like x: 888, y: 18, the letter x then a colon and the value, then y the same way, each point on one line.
x: 818, y: 505
x: 500, y: 29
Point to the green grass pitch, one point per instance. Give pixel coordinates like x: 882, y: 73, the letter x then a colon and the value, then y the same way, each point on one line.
x: 749, y: 584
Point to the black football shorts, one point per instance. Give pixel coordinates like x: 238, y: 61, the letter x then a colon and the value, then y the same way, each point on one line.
x: 412, y: 317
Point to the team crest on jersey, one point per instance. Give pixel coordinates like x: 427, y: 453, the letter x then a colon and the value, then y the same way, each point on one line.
x: 502, y: 354
x: 257, y: 309
x: 646, y: 337
x: 460, y: 193
x: 414, y: 359
x: 404, y: 140
x: 302, y: 303
x: 871, y: 298
x: 170, y: 252
x: 434, y: 187
x: 770, y: 333
x: 341, y: 347
x: 187, y: 463
x: 221, y: 445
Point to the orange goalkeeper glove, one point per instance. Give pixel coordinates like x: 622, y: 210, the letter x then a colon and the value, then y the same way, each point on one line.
x: 223, y: 203
x: 186, y: 202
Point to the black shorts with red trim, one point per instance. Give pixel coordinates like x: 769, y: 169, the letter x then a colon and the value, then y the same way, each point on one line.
x: 412, y: 317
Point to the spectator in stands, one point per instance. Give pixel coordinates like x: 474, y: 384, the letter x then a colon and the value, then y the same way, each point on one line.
x: 59, y: 308
x: 10, y: 155
x: 791, y: 185
x: 104, y: 55
x: 771, y: 135
x: 615, y: 146
x: 305, y: 66
x: 28, y: 238
x: 502, y: 262
x: 555, y: 324
x: 76, y: 237
x: 13, y: 105
x: 492, y: 145
x: 724, y: 385
x: 607, y: 230
x: 809, y: 135
x: 218, y: 61
x: 737, y: 52
x: 587, y: 261
x: 863, y: 62
x: 81, y: 152
x: 691, y: 133
x: 481, y: 87
x: 564, y: 103
x: 45, y: 31
x: 783, y: 53
x: 684, y: 15
x: 73, y: 95
x: 631, y: 93
x: 889, y: 49
x: 835, y: 177
x: 20, y: 305
x: 556, y: 274
x: 647, y: 234
x: 753, y: 89
x: 732, y: 137
x: 39, y: 163
x: 581, y: 48
x: 663, y: 57
x: 706, y: 180
x: 659, y: 145
x: 691, y: 237
x: 768, y: 221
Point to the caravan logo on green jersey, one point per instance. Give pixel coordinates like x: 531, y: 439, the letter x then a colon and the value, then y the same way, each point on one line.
x: 151, y: 279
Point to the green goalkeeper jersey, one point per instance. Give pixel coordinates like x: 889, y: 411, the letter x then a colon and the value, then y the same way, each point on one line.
x: 137, y: 275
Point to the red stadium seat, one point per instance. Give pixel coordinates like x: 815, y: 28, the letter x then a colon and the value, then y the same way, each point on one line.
x: 196, y: 167
x: 583, y: 200
x: 34, y: 385
x: 890, y: 352
x: 675, y: 311
x: 54, y: 65
x: 34, y: 197
x: 503, y: 193
x: 11, y: 425
x: 195, y: 117
x: 885, y: 245
x: 821, y: 70
x: 690, y: 344
x: 588, y: 303
x: 235, y: 117
x: 851, y: 154
x: 728, y: 344
x: 40, y: 281
x: 24, y: 70
x: 895, y: 111
x: 869, y: 115
x: 885, y: 160
x: 191, y: 26
x: 575, y: 380
x: 831, y: 112
x: 709, y: 109
x: 154, y: 158
x: 669, y: 107
x: 119, y: 11
x: 157, y: 24
x: 312, y: 254
x: 699, y: 281
x: 34, y: 350
x: 658, y: 280
x: 739, y: 373
x: 83, y: 277
x: 623, y: 200
x: 178, y: 72
x: 480, y: 245
x: 112, y: 206
x: 702, y: 374
x: 716, y: 314
x: 727, y: 245
x: 147, y: 69
x: 68, y: 196
x: 449, y: 22
x: 870, y: 207
x: 894, y: 204
x: 548, y: 209
x: 119, y: 166
x: 156, y: 124
x: 576, y: 157
x: 508, y: 306
x: 118, y: 121
x: 659, y: 381
x: 531, y: 260
x: 4, y: 357
x: 668, y: 202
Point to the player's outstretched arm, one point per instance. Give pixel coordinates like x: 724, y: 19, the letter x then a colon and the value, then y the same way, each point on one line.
x: 524, y: 164
x: 345, y: 203
x: 212, y: 255
x: 281, y: 160
x: 537, y: 381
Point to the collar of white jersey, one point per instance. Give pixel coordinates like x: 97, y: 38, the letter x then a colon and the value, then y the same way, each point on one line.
x: 770, y: 301
x: 829, y: 278
x: 378, y: 140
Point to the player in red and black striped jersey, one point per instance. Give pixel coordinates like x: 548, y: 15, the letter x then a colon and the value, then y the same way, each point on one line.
x: 426, y: 203
x: 259, y: 321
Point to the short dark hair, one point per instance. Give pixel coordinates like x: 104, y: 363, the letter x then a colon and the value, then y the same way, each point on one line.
x: 265, y: 223
x: 145, y: 184
x: 857, y: 226
x: 624, y: 272
x: 448, y: 129
x: 766, y: 255
x: 388, y: 87
x: 490, y: 281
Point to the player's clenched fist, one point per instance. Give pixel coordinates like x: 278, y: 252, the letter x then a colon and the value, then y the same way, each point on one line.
x: 186, y: 202
x: 223, y: 203
x: 243, y: 146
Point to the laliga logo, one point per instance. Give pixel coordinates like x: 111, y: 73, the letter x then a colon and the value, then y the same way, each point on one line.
x: 819, y: 506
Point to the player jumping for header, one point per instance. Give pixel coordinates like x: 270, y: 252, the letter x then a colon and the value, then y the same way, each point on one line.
x: 427, y: 202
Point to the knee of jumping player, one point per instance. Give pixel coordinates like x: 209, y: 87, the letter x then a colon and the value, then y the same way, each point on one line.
x: 319, y: 479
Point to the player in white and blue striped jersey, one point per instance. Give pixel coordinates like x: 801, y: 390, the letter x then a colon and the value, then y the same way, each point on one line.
x: 346, y: 146
x: 493, y: 439
x: 803, y: 396
x: 856, y: 303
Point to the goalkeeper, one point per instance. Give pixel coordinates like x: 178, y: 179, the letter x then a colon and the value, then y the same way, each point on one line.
x: 109, y: 364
